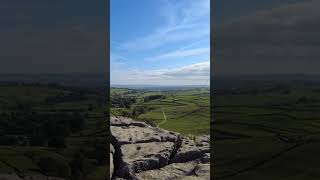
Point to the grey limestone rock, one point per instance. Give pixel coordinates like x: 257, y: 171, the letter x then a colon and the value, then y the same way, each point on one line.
x: 140, y: 151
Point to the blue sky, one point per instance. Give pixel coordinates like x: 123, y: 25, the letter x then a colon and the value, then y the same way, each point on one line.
x: 160, y: 42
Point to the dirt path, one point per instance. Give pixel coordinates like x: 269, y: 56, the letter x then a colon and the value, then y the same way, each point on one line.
x: 165, y: 118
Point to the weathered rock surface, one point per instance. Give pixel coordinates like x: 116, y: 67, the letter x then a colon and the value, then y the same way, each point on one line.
x: 140, y: 151
x: 135, y: 134
x: 196, y: 169
x: 190, y: 150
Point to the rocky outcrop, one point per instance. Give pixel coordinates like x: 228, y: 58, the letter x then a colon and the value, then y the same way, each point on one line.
x: 139, y: 151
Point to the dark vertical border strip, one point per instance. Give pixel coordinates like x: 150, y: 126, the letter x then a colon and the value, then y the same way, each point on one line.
x: 108, y: 55
x: 107, y: 51
x: 211, y: 91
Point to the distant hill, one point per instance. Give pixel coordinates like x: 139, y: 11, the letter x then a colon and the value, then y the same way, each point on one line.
x: 159, y: 87
x: 67, y: 79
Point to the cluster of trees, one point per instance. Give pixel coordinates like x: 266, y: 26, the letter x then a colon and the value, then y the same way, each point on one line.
x: 122, y: 102
x: 136, y: 111
x: 153, y: 97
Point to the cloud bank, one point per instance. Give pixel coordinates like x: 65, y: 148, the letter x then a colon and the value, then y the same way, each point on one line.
x: 193, y: 74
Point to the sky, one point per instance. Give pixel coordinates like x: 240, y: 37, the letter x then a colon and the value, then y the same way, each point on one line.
x: 266, y: 37
x: 45, y: 36
x: 160, y: 42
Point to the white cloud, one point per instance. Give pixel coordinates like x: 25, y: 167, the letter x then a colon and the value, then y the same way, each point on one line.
x: 194, y: 71
x: 180, y: 54
x: 185, y: 21
x: 166, y: 35
x: 116, y: 62
x: 193, y: 74
x: 195, y: 10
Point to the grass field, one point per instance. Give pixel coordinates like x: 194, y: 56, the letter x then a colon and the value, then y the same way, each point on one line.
x: 47, y: 160
x: 270, y: 134
x: 186, y: 111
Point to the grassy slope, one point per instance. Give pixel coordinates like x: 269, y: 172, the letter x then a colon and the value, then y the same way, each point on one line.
x: 187, y: 111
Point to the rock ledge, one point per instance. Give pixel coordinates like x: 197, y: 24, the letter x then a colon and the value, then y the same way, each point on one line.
x: 139, y: 151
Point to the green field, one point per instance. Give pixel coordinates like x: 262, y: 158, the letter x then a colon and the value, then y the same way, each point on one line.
x: 31, y: 111
x: 273, y: 133
x: 186, y: 111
